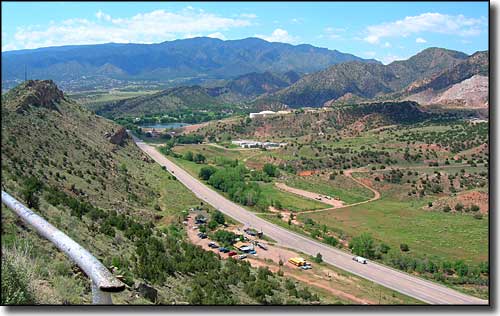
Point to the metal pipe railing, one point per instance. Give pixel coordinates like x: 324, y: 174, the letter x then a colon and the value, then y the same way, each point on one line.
x: 103, y: 282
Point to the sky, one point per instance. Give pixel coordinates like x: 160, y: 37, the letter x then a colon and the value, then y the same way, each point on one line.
x: 386, y: 31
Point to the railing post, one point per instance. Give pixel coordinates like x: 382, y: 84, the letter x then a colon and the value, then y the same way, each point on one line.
x: 100, y: 297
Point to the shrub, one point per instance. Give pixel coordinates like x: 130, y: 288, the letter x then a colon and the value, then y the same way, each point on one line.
x: 404, y: 247
x: 318, y: 258
x: 16, y: 289
x: 459, y: 207
x: 474, y: 208
x: 271, y: 170
x: 446, y: 208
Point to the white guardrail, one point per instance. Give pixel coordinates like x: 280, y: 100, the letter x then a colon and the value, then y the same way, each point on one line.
x: 103, y: 282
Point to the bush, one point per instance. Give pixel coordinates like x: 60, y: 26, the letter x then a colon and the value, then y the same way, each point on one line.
x: 271, y: 170
x: 318, y: 258
x: 188, y: 156
x: 459, y: 207
x: 404, y: 247
x: 16, y: 289
x: 474, y: 208
x: 199, y: 158
x: 446, y: 209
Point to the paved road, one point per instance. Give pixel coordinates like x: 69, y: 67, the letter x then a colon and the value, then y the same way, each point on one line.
x: 423, y: 290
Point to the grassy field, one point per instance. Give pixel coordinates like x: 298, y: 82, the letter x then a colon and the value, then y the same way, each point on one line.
x: 289, y: 201
x: 107, y: 96
x: 342, y: 187
x: 445, y: 235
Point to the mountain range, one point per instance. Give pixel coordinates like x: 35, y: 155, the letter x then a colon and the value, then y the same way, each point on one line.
x: 434, y: 76
x: 433, y: 71
x: 188, y: 60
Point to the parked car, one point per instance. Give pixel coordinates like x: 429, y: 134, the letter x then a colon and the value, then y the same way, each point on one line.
x: 262, y: 246
x: 232, y: 253
x: 306, y: 267
x: 360, y: 259
x: 223, y: 249
x: 212, y: 245
x: 241, y: 257
x: 252, y: 252
x: 203, y: 235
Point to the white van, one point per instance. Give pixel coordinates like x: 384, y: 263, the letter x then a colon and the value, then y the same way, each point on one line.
x: 360, y: 260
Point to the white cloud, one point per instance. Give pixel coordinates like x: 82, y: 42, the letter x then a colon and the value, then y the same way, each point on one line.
x: 387, y: 44
x: 333, y: 33
x: 103, y: 16
x: 279, y: 35
x: 248, y: 15
x: 150, y: 27
x: 420, y: 40
x: 390, y: 58
x: 218, y: 35
x: 426, y: 22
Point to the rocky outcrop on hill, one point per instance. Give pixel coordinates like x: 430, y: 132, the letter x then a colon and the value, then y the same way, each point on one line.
x: 119, y: 137
x: 39, y: 93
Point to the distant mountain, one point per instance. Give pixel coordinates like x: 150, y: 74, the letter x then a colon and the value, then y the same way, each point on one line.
x: 254, y: 84
x: 178, y: 100
x: 356, y: 82
x: 188, y: 59
x: 464, y: 85
x: 227, y: 97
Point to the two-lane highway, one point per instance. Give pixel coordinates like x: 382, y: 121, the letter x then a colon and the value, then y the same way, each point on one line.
x: 418, y: 288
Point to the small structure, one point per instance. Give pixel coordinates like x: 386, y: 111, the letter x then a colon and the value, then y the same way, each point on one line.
x: 257, y: 144
x: 262, y: 114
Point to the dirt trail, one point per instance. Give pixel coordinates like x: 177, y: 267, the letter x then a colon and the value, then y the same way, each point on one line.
x: 310, y: 195
x: 347, y: 173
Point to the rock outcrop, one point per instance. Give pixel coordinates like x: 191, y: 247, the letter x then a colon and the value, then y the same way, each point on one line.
x: 119, y: 137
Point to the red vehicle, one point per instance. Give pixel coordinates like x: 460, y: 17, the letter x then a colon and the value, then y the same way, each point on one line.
x: 231, y: 253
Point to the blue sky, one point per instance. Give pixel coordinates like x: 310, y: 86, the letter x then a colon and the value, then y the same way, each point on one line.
x: 385, y: 31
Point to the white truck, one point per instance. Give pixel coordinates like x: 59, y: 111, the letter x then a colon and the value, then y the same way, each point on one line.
x: 360, y: 259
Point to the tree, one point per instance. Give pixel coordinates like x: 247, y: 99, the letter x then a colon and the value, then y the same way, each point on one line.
x: 318, y: 258
x: 199, y: 158
x: 188, y: 156
x: 219, y: 217
x: 363, y: 245
x: 212, y: 225
x: 446, y: 209
x: 271, y: 170
x: 206, y: 172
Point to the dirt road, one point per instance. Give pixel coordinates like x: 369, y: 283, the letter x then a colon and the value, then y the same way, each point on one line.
x: 418, y: 288
x: 310, y: 195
